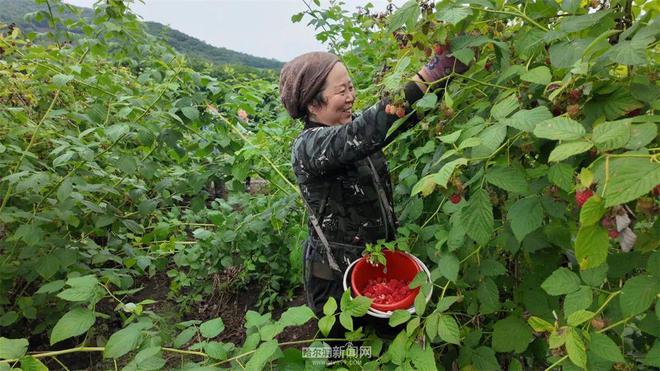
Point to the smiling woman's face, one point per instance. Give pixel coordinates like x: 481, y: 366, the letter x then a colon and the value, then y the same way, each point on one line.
x: 339, y: 97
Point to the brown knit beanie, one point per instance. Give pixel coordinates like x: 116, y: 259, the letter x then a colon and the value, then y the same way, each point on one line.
x: 302, y: 78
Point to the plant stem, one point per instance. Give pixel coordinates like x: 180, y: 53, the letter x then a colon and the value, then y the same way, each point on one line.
x: 615, y: 324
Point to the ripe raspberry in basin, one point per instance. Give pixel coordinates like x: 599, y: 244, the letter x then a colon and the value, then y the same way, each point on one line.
x: 384, y: 291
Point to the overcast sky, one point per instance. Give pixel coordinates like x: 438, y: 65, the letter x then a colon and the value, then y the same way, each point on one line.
x: 259, y: 27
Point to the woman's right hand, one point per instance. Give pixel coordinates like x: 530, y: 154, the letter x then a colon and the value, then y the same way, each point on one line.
x: 441, y: 64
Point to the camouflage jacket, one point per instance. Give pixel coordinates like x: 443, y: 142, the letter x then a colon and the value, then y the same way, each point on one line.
x: 338, y: 169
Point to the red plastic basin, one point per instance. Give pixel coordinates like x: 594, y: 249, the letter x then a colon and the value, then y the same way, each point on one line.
x: 399, y: 266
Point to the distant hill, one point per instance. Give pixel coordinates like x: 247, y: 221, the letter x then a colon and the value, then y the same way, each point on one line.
x: 13, y: 11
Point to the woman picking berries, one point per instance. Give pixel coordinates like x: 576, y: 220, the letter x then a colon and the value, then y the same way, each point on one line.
x: 339, y: 164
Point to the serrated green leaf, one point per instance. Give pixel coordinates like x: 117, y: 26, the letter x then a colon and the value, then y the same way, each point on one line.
x: 489, y: 297
x: 562, y: 281
x: 611, y: 135
x: 346, y: 320
x: 398, y: 317
x: 638, y: 294
x: 75, y: 322
x: 296, y: 316
x: 562, y: 175
x: 526, y: 216
x: 448, y: 265
x: 326, y: 323
x: 526, y: 120
x: 407, y: 15
x: 60, y: 79
x: 575, y: 348
x: 212, y: 328
x: 330, y: 306
x: 511, y: 334
x: 448, y: 329
x: 451, y: 138
x: 505, y: 107
x: 602, y: 346
x: 12, y: 348
x: 423, y: 359
x: 263, y: 354
x: 641, y: 135
x: 629, y: 178
x: 578, y: 300
x: 566, y: 150
x: 191, y: 113
x: 440, y: 178
x: 592, y: 211
x: 540, y: 75
x: 29, y: 363
x: 478, y: 217
x: 539, y: 324
x: 579, y: 316
x: 453, y: 15
x: 559, y: 128
x: 508, y: 178
x: 123, y: 341
x: 591, y: 246
x: 427, y: 102
x: 184, y: 337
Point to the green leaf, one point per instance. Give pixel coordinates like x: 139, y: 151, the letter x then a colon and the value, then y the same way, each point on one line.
x: 580, y: 316
x: 191, y: 113
x: 326, y: 323
x: 451, y: 138
x: 431, y: 325
x: 346, y: 320
x: 653, y: 356
x: 641, y: 135
x: 566, y: 150
x: 444, y: 303
x: 562, y: 175
x: 453, y: 15
x: 360, y: 306
x: 478, y: 217
x: 448, y: 329
x: 602, y: 346
x: 559, y: 128
x: 594, y: 277
x: 296, y: 316
x: 508, y: 178
x: 505, y: 107
x: 483, y: 358
x: 184, y: 337
x: 123, y: 341
x: 116, y: 131
x: 526, y: 216
x: 629, y: 178
x: 576, y: 349
x: 581, y: 22
x: 60, y: 79
x: 562, y: 281
x: 465, y: 55
x: 264, y: 353
x: 47, y: 266
x: 330, y: 306
x: 420, y: 302
x: 488, y: 296
x: 398, y: 317
x: 428, y: 101
x: 540, y: 75
x: 407, y: 14
x: 540, y: 325
x: 75, y: 322
x: 630, y: 52
x: 469, y: 143
x: 29, y: 363
x: 526, y: 120
x: 611, y: 135
x: 511, y: 335
x: 448, y: 265
x: 398, y: 347
x: 638, y: 294
x: 12, y: 348
x: 423, y: 359
x: 591, y: 246
x: 212, y: 328
x: 440, y: 178
x: 592, y: 211
x: 78, y: 293
x: 578, y: 300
